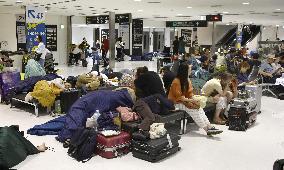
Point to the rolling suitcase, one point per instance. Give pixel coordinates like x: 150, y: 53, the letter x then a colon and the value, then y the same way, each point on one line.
x: 7, y: 81
x: 157, y: 149
x: 256, y: 92
x: 113, y: 146
x: 67, y: 99
x: 242, y: 114
x: 278, y: 164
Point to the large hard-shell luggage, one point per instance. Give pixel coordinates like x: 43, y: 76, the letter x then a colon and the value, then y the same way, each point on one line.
x: 113, y: 146
x: 278, y: 164
x: 67, y: 99
x: 242, y: 114
x: 8, y: 80
x: 157, y: 149
x: 256, y: 92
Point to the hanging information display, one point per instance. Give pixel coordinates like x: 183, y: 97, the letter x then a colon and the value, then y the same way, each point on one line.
x: 125, y: 35
x: 196, y: 23
x: 186, y: 34
x: 137, y: 37
x: 104, y: 19
x: 21, y: 31
x: 51, y: 37
x: 35, y: 25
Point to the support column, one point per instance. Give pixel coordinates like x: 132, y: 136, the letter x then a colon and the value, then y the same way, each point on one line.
x: 69, y: 36
x: 168, y: 37
x: 213, y: 48
x: 111, y: 40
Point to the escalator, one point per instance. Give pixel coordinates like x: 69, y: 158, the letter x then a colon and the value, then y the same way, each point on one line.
x: 249, y: 33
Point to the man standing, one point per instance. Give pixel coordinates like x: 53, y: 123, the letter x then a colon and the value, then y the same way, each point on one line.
x: 175, y: 46
x: 105, y: 48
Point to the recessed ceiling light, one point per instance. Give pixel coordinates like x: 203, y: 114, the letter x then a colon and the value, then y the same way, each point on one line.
x: 227, y: 24
x: 277, y: 25
x: 179, y: 14
x: 140, y: 10
x: 225, y: 12
x: 278, y: 9
x: 45, y: 11
x: 245, y: 3
x: 137, y: 0
x: 283, y: 27
x: 19, y: 1
x: 250, y: 22
x: 189, y: 7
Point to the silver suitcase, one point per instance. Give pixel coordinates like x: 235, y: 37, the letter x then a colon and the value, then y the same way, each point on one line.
x: 256, y: 92
x: 250, y: 104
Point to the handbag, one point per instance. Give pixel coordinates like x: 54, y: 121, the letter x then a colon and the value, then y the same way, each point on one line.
x: 126, y: 115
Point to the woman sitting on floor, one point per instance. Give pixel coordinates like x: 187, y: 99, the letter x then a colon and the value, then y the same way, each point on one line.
x: 220, y: 91
x: 181, y: 93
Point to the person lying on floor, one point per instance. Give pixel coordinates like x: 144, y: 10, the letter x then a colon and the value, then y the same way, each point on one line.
x: 86, y: 106
x: 149, y: 109
x: 148, y: 83
x: 220, y: 91
x: 181, y: 93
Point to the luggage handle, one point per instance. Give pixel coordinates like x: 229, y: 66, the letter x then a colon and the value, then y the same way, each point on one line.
x: 170, y: 141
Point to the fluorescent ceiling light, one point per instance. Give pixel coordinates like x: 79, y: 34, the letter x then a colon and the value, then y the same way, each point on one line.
x: 179, y: 14
x: 189, y: 7
x: 227, y: 24
x: 137, y: 0
x: 245, y: 3
x: 140, y: 10
x: 277, y: 25
x: 278, y: 9
x: 225, y: 12
x: 19, y: 1
x: 283, y: 26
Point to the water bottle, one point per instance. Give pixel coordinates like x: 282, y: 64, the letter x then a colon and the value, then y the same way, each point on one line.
x: 57, y: 107
x: 96, y: 115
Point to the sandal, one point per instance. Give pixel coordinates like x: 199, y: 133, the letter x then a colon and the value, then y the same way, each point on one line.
x: 219, y: 122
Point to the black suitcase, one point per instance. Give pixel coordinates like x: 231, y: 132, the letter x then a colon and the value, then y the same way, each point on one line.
x: 84, y: 63
x: 67, y: 99
x: 130, y: 127
x: 155, y: 158
x: 157, y: 149
x: 240, y: 120
x: 278, y: 164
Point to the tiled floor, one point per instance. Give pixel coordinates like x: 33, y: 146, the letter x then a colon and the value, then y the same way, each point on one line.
x: 255, y: 149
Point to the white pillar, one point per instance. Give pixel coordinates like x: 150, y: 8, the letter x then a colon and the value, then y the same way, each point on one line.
x: 167, y: 37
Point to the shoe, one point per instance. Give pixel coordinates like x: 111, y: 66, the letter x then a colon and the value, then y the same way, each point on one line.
x: 213, y: 131
x: 141, y: 135
x: 219, y: 122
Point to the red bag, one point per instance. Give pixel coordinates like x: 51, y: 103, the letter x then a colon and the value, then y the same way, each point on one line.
x: 113, y: 146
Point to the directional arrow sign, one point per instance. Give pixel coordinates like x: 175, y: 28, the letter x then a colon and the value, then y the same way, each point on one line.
x: 31, y: 13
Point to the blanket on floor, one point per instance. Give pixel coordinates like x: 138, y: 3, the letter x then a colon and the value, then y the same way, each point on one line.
x: 49, y: 128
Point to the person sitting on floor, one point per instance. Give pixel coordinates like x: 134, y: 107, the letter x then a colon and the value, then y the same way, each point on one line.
x: 148, y: 83
x: 181, y: 93
x: 269, y: 71
x: 243, y: 75
x: 149, y: 109
x: 218, y: 91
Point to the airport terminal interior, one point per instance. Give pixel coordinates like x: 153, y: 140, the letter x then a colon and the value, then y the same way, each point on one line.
x: 142, y: 84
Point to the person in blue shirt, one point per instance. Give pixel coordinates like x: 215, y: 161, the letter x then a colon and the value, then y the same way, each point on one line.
x: 96, y: 59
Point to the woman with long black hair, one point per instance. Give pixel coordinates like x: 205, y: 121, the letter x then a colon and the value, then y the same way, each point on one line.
x: 181, y: 93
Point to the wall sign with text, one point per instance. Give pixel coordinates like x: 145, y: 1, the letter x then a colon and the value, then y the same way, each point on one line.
x: 104, y: 19
x: 197, y: 23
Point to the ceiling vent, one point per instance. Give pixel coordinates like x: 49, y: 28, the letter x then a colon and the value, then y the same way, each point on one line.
x: 154, y: 2
x: 216, y: 6
x: 257, y: 13
x: 280, y: 12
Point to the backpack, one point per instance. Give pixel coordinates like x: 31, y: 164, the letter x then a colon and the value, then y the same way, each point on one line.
x: 83, y: 144
x: 278, y: 164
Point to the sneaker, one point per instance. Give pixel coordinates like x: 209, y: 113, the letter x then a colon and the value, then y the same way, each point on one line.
x: 213, y: 131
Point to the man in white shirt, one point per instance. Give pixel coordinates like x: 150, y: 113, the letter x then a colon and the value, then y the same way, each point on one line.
x: 77, y: 53
x: 41, y: 50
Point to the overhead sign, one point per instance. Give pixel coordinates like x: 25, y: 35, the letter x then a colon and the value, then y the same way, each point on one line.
x: 35, y: 14
x: 196, y: 23
x: 21, y: 31
x: 214, y: 18
x: 104, y: 19
x: 35, y: 25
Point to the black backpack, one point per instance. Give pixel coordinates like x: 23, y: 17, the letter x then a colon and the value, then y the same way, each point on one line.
x: 278, y: 164
x: 83, y: 144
